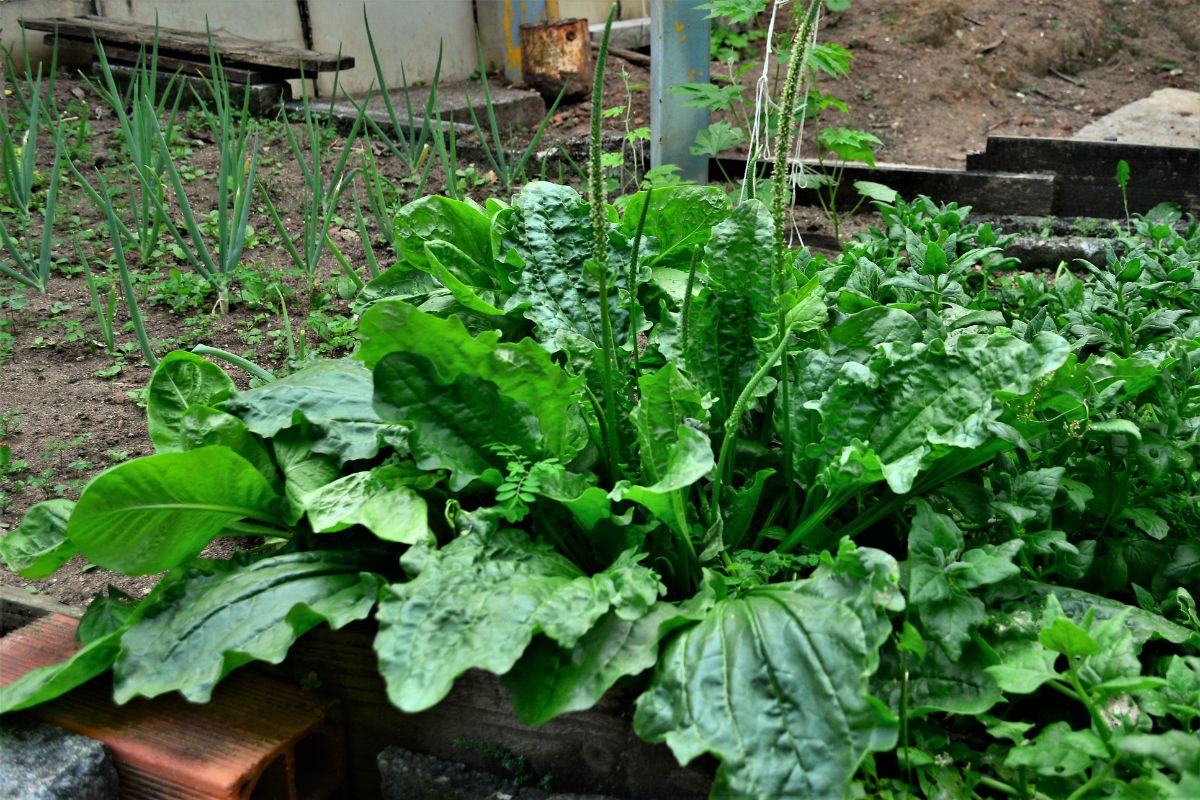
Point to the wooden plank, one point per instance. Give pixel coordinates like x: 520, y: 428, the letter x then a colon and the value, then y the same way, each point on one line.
x: 594, y: 751
x: 991, y: 192
x: 1085, y: 173
x: 234, y: 50
x: 170, y: 64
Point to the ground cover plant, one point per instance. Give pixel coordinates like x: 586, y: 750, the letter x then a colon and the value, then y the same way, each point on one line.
x: 893, y: 523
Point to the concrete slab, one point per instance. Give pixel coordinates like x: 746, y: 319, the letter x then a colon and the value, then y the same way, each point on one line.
x: 515, y: 109
x: 1167, y: 118
x: 629, y: 34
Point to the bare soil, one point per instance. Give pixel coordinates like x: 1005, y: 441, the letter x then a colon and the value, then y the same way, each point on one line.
x: 930, y: 78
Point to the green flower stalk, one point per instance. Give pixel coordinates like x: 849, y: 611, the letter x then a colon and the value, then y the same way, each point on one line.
x: 596, y: 197
x: 797, y: 69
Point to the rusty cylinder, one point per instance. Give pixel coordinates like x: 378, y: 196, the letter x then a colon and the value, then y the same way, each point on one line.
x: 555, y: 54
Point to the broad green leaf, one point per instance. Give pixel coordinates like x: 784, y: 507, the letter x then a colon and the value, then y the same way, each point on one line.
x: 45, y: 683
x: 941, y: 576
x: 1148, y: 522
x: 303, y: 470
x: 1116, y: 426
x: 202, y: 426
x: 522, y: 371
x: 453, y: 268
x: 461, y: 223
x: 478, y: 602
x: 951, y: 621
x: 1058, y: 751
x: 1174, y: 749
x: 550, y: 679
x: 109, y: 611
x: 774, y: 684
x: 716, y: 139
x: 910, y: 405
x: 392, y: 511
x: 1064, y: 636
x: 689, y: 459
x: 937, y: 683
x: 156, y: 512
x: 1031, y: 496
x: 681, y: 218
x: 876, y: 191
x: 454, y: 420
x: 181, y: 379
x: 39, y: 545
x: 335, y: 396
x: 730, y: 321
x: 225, y: 614
x: 550, y: 242
x: 1142, y: 624
x: 1024, y: 666
x: 667, y: 402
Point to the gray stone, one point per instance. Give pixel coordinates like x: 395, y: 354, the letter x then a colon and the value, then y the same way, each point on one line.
x: 45, y: 762
x: 1167, y: 118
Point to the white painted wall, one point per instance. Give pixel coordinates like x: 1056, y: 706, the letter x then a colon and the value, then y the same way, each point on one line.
x: 405, y: 31
x: 11, y: 12
x: 597, y: 10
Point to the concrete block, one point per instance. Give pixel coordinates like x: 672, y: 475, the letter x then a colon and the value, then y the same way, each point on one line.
x: 45, y: 762
x: 628, y: 34
x: 515, y: 109
x: 1167, y: 118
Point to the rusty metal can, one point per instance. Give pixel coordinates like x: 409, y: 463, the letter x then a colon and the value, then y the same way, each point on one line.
x: 557, y: 54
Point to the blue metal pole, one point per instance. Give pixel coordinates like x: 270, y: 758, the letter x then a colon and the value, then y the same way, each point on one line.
x: 679, y: 53
x: 514, y: 14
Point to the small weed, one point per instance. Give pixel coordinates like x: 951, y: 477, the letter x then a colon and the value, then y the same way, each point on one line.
x: 10, y: 423
x: 181, y: 291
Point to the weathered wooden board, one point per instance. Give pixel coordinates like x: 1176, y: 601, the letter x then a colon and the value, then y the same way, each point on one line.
x: 167, y: 65
x: 235, y: 51
x: 1085, y: 173
x: 587, y: 751
x: 991, y: 192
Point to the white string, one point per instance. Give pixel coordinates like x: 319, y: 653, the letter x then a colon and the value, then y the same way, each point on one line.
x: 760, y: 145
x: 760, y: 139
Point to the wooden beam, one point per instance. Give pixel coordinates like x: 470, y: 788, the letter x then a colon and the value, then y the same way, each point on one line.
x: 171, y: 64
x: 992, y: 192
x: 178, y: 43
x: 1085, y: 173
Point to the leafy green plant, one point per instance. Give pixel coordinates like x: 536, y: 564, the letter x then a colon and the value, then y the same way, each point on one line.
x: 230, y: 130
x: 18, y: 153
x: 23, y: 268
x: 898, y: 523
x: 508, y: 167
x: 139, y: 108
x: 321, y: 192
x: 1122, y: 184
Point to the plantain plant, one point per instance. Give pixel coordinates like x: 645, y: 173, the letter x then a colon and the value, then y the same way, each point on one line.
x: 877, y: 526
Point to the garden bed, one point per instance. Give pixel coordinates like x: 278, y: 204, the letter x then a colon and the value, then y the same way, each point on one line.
x: 834, y: 520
